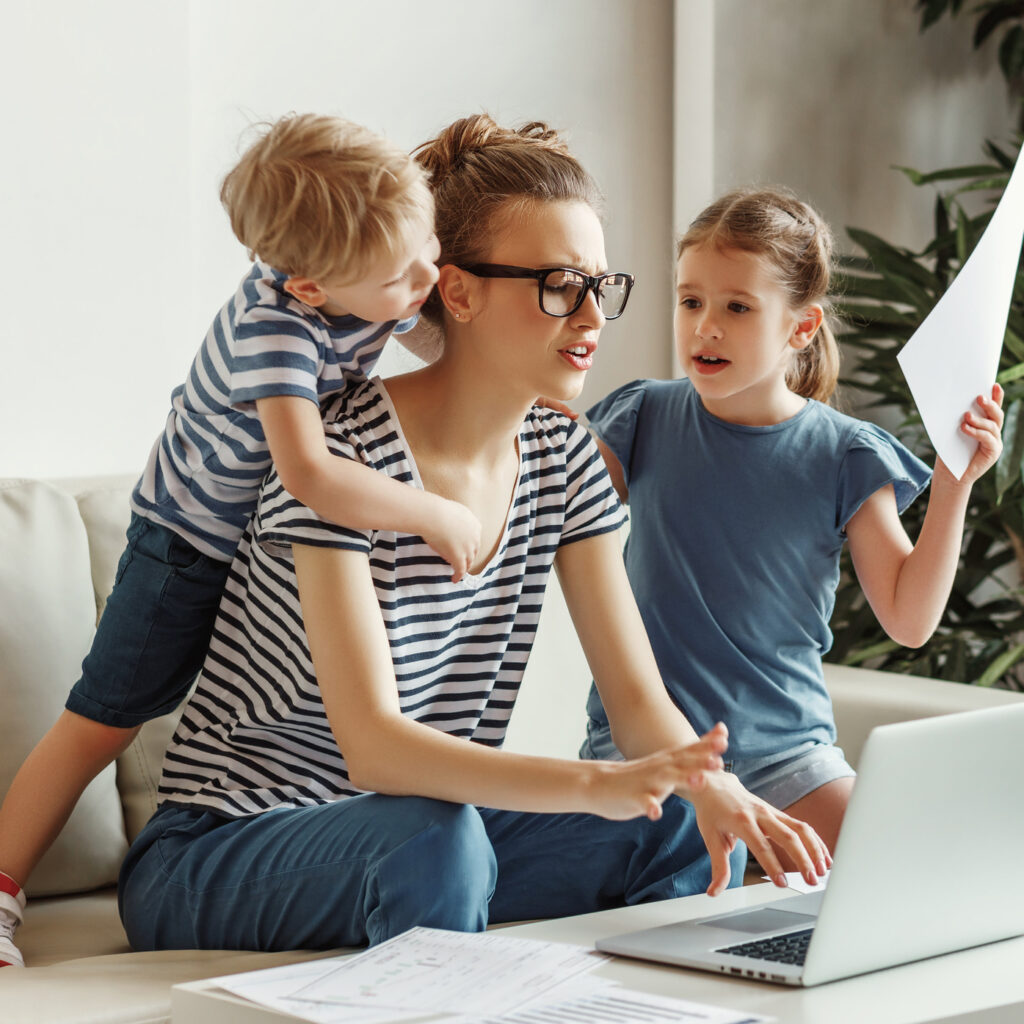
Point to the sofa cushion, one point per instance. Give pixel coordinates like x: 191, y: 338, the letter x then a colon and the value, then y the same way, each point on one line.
x: 103, y: 503
x: 47, y: 596
x: 103, y: 506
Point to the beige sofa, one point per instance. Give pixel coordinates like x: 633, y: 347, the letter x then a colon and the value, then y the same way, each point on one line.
x: 59, y: 543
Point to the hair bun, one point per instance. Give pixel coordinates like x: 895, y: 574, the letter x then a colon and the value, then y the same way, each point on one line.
x: 461, y: 139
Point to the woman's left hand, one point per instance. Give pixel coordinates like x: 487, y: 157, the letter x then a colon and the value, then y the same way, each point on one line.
x: 727, y: 812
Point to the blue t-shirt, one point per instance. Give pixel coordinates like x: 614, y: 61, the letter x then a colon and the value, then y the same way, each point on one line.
x: 733, y: 553
x: 205, y: 469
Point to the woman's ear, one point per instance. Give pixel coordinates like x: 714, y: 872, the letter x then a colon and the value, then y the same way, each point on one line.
x: 306, y: 290
x: 458, y: 290
x: 810, y: 319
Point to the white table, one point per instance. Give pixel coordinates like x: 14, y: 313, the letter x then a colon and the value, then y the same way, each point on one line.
x: 965, y: 986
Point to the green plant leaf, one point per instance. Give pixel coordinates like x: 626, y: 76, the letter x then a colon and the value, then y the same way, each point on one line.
x: 1001, y: 157
x: 1008, y: 466
x: 1011, y: 52
x: 992, y: 18
x: 998, y: 668
x: 948, y: 173
x: 898, y: 262
x: 1010, y: 375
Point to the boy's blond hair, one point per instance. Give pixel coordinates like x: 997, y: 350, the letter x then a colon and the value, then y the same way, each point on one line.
x: 321, y: 197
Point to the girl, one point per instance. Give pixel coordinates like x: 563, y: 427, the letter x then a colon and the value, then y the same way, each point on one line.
x: 336, y: 777
x: 743, y: 487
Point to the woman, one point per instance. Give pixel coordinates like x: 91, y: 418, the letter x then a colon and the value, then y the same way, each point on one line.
x: 320, y: 791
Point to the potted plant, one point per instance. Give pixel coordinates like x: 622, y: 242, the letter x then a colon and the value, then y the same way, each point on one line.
x: 885, y: 292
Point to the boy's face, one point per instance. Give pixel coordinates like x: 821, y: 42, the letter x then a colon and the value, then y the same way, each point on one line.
x: 393, y: 287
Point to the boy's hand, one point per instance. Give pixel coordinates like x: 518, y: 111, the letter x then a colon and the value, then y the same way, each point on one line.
x: 553, y: 403
x: 454, y: 533
x: 986, y: 429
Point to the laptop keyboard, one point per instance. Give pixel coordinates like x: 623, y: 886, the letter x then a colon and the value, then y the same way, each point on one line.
x: 790, y: 948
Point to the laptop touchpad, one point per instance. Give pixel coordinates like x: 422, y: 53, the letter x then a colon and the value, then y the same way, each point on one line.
x: 758, y: 921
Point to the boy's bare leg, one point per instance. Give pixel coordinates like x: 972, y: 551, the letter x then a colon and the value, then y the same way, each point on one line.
x: 42, y: 797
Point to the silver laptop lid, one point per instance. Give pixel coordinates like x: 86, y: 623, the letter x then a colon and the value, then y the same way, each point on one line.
x: 928, y: 857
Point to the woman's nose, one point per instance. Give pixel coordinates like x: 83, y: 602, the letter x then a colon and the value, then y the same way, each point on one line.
x: 590, y: 310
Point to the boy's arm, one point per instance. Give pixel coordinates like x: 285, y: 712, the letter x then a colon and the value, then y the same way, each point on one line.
x: 907, y: 585
x: 353, y: 495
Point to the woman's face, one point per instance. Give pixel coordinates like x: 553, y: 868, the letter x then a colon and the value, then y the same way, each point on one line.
x: 548, y: 356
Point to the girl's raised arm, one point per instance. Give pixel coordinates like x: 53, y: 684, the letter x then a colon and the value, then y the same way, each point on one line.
x: 907, y: 584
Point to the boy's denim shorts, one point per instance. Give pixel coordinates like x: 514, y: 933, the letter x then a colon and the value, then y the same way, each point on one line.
x: 782, y: 779
x: 154, y: 633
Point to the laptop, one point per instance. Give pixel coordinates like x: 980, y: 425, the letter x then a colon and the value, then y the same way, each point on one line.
x: 927, y: 862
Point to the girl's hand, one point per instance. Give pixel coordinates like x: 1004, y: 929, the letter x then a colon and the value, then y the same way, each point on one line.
x: 727, y: 812
x: 553, y: 403
x: 986, y: 429
x: 631, y: 789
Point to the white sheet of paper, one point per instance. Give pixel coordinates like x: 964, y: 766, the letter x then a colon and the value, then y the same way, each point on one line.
x: 274, y: 986
x: 795, y: 881
x: 432, y: 971
x: 954, y: 355
x: 579, y: 998
x: 612, y: 1003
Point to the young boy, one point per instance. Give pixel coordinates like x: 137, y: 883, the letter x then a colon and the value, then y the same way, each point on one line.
x: 340, y: 225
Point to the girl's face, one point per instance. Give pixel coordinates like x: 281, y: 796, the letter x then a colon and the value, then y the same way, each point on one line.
x: 519, y: 344
x: 736, y: 333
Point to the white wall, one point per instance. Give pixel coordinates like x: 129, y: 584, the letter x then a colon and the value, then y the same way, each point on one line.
x: 93, y: 263
x: 117, y: 253
x: 827, y: 97
x: 127, y: 114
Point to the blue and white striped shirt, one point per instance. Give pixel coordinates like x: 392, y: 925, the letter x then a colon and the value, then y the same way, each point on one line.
x: 255, y: 736
x: 204, y: 471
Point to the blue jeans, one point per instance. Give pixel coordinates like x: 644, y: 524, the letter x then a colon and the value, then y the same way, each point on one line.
x: 364, y: 869
x: 155, y: 629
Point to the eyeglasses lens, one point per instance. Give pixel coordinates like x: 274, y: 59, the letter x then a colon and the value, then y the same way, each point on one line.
x: 562, y: 293
x: 614, y: 292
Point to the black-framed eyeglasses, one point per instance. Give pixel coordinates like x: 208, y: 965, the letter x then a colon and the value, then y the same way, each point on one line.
x: 561, y: 291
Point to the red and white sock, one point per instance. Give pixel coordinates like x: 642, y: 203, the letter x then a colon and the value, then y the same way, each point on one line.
x: 12, y: 910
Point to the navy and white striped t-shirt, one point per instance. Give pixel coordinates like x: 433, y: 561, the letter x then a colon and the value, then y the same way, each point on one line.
x: 255, y: 736
x: 204, y: 471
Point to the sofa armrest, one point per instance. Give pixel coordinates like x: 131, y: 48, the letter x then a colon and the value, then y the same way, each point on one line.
x: 863, y: 698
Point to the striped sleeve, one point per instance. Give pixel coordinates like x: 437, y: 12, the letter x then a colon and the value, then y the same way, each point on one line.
x: 282, y: 520
x: 274, y: 352
x: 591, y: 505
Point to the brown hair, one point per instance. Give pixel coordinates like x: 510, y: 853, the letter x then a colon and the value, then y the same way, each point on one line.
x: 483, y: 175
x: 774, y: 224
x: 319, y: 196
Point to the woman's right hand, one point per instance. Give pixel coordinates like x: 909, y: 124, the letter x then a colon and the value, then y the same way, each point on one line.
x: 631, y: 789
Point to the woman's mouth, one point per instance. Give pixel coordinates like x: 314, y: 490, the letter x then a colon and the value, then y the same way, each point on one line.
x: 580, y: 357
